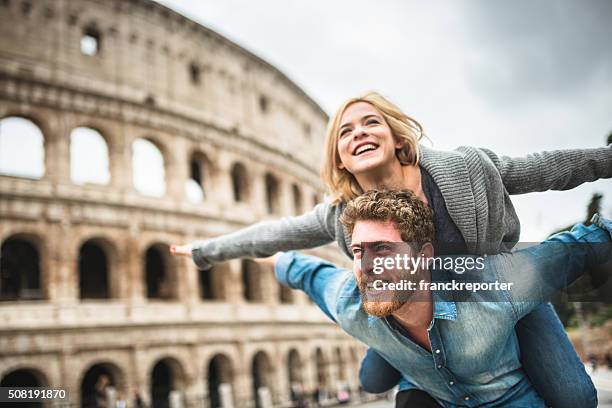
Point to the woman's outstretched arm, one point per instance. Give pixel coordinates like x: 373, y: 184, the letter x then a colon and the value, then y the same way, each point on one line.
x: 315, y: 228
x: 554, y: 170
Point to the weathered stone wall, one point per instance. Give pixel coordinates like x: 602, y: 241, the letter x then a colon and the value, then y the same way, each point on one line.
x: 140, y: 85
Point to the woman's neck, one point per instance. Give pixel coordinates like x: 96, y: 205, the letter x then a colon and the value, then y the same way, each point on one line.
x: 395, y: 176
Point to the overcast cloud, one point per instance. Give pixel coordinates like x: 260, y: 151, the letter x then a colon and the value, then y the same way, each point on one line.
x: 516, y: 77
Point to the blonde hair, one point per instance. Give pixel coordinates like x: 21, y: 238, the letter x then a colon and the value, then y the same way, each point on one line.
x: 341, y: 184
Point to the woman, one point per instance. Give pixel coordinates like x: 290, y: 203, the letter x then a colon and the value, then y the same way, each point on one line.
x: 371, y: 144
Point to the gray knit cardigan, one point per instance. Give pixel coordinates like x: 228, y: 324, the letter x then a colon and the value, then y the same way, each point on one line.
x: 475, y: 183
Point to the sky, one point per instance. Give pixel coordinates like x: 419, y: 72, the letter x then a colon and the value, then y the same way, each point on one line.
x: 516, y: 77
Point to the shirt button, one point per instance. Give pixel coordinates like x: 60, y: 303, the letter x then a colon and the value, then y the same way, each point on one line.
x: 439, y: 365
x: 451, y: 383
x: 438, y: 351
x: 466, y: 398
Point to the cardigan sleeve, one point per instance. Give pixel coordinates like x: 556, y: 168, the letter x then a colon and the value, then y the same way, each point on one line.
x: 310, y: 230
x: 554, y: 170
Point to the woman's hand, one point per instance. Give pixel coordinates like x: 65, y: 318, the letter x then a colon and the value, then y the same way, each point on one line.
x: 269, y: 261
x: 181, y: 250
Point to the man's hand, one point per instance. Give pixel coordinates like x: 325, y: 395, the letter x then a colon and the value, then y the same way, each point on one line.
x: 269, y: 261
x: 181, y: 250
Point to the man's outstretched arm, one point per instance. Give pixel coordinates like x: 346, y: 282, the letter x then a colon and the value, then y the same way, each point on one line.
x: 319, y: 279
x: 538, y: 272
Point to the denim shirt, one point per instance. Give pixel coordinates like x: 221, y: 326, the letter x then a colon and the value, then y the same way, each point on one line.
x: 475, y: 358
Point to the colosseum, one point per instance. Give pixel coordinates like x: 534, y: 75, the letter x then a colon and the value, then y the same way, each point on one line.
x: 125, y: 127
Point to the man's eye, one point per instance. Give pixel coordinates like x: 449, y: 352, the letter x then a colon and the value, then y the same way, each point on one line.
x: 356, y: 251
x: 383, y: 248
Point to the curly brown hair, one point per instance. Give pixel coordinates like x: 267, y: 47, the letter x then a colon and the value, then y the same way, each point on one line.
x: 412, y: 217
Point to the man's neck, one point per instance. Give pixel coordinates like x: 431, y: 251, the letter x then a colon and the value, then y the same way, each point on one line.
x: 416, y: 314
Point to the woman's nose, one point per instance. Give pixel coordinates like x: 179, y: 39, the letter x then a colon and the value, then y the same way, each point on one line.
x: 359, y: 131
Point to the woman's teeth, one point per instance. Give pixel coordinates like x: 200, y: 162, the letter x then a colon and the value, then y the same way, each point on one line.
x: 364, y: 148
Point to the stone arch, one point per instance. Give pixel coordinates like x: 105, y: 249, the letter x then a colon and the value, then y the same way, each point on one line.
x: 167, y: 375
x: 316, y: 199
x: 340, y: 364
x: 294, y: 375
x: 220, y: 374
x: 212, y: 282
x: 285, y: 294
x: 149, y: 167
x: 98, y: 259
x: 21, y: 137
x: 25, y: 377
x: 20, y: 268
x: 100, y: 383
x: 272, y: 193
x: 89, y: 156
x: 252, y: 281
x: 298, y: 201
x: 198, y: 186
x: 262, y: 372
x: 240, y: 183
x: 159, y: 272
x: 91, y: 40
x: 321, y: 379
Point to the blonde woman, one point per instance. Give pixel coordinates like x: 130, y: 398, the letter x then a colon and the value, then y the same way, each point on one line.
x: 372, y: 144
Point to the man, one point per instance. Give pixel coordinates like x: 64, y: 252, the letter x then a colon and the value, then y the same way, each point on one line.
x: 462, y: 353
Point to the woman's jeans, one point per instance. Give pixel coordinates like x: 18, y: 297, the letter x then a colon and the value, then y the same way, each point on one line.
x: 548, y: 357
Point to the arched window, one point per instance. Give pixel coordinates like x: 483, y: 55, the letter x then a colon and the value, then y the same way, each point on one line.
x: 19, y: 270
x: 88, y: 157
x: 91, y: 41
x: 195, y: 73
x: 100, y: 384
x: 240, y: 186
x: 297, y: 199
x: 212, y: 282
x: 167, y: 378
x: 315, y: 199
x: 321, y: 369
x: 262, y: 372
x: 341, y: 364
x: 285, y: 294
x: 148, y: 168
x: 220, y: 382
x: 195, y: 188
x: 251, y: 281
x: 272, y: 195
x: 22, y: 151
x: 159, y: 274
x: 294, y: 372
x: 24, y: 377
x: 263, y: 103
x: 93, y: 271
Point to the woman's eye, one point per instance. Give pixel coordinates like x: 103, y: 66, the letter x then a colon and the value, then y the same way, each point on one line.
x: 344, y: 132
x: 372, y: 122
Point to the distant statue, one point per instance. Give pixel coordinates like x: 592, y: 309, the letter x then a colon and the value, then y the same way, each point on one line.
x: 593, y: 207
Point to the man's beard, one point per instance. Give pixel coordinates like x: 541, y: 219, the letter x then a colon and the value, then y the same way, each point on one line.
x: 379, y: 308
